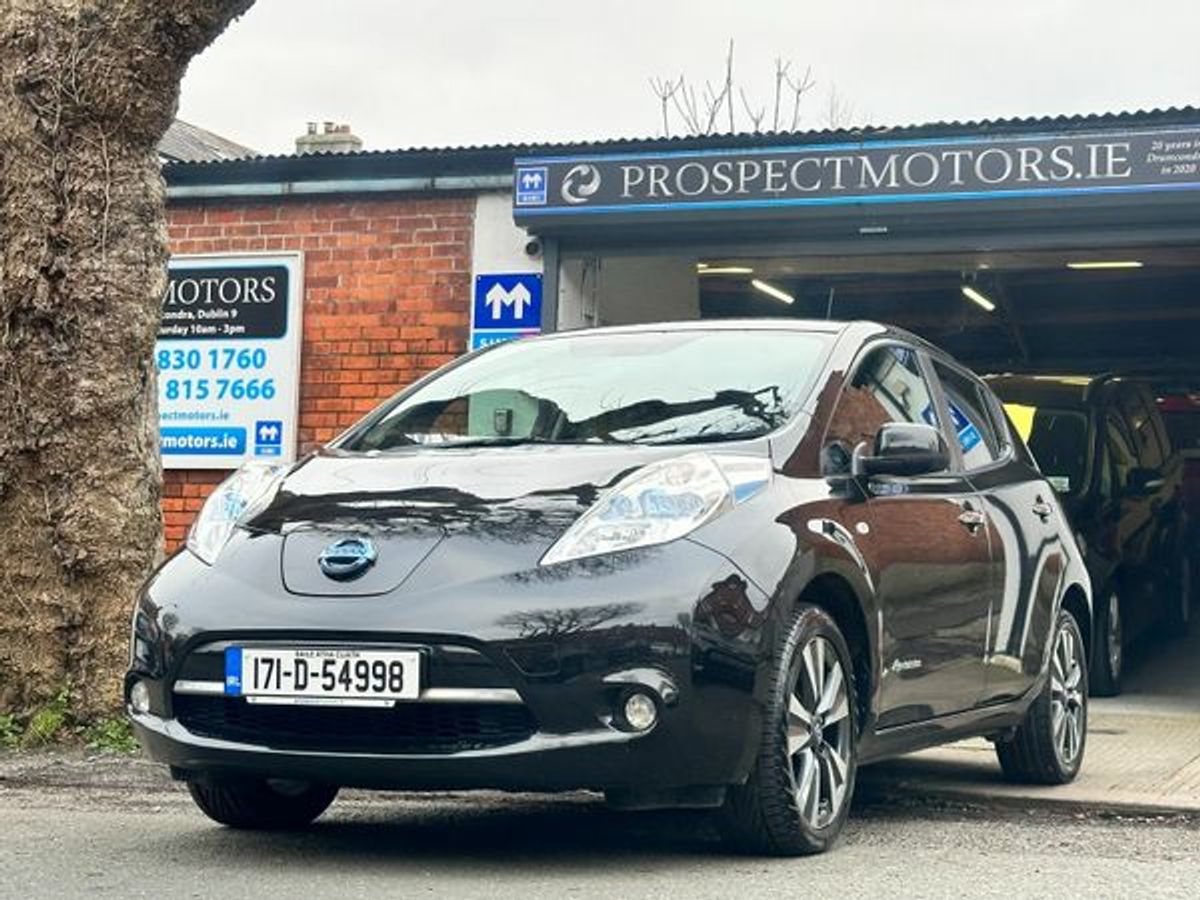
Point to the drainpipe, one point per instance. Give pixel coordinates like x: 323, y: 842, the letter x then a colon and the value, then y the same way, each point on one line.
x: 410, y: 185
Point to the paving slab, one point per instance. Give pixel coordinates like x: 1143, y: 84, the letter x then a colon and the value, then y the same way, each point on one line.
x: 1142, y: 754
x: 1132, y: 763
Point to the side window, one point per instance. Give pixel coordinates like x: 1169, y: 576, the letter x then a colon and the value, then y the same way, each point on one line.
x: 1141, y: 424
x: 969, y: 417
x: 1120, y: 456
x: 886, y: 387
x: 1104, y: 485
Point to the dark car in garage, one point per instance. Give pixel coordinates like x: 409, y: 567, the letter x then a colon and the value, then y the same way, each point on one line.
x: 695, y: 565
x: 1179, y: 402
x: 1102, y: 442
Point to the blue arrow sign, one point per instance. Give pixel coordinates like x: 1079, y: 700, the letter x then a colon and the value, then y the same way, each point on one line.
x: 507, y: 302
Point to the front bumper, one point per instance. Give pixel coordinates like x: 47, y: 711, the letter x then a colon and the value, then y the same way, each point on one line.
x: 687, y: 628
x: 602, y: 759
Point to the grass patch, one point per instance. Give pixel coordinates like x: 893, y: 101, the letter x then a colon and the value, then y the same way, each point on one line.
x: 111, y: 736
x: 55, y: 723
x: 47, y: 724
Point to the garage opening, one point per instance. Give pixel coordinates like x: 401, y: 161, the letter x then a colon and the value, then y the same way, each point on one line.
x: 1059, y: 325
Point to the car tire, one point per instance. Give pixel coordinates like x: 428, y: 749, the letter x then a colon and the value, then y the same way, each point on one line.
x: 1108, y: 654
x: 262, y: 804
x: 1048, y: 745
x: 798, y: 795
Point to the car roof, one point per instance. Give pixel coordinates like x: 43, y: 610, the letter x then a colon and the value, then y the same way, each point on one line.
x: 1049, y: 390
x: 865, y: 328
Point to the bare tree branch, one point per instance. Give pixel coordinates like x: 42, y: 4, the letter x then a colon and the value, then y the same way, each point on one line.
x: 755, y: 118
x: 799, y: 89
x: 699, y: 114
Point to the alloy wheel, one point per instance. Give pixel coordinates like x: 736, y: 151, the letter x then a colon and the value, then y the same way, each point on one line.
x: 818, y: 733
x: 1067, y: 701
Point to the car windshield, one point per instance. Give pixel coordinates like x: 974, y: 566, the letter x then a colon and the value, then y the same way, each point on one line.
x: 609, y: 388
x: 1057, y: 438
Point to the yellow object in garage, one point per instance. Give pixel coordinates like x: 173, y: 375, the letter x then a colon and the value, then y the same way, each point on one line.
x: 1021, y: 417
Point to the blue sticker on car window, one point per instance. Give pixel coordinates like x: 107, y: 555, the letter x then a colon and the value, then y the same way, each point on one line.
x: 968, y: 434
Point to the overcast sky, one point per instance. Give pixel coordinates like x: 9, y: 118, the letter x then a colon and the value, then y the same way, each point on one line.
x: 408, y: 73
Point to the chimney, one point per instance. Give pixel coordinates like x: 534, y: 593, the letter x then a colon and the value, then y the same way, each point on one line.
x: 332, y: 138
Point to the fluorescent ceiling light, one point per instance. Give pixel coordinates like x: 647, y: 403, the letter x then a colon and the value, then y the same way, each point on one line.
x: 705, y: 269
x: 978, y: 297
x: 773, y: 291
x: 1106, y: 264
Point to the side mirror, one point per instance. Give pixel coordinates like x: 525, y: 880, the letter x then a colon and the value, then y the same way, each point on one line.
x: 903, y: 448
x: 1142, y: 482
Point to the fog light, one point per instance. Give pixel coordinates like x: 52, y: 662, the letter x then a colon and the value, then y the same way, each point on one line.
x: 139, y: 698
x: 641, y: 712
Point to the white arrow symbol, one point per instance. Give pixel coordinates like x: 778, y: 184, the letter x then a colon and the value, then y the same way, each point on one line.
x: 520, y: 297
x: 496, y: 298
x: 531, y: 179
x: 268, y: 433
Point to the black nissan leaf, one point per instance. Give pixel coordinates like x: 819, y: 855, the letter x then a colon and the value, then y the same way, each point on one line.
x: 707, y: 565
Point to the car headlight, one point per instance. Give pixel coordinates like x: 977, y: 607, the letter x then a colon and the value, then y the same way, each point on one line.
x: 225, y: 506
x: 661, y: 502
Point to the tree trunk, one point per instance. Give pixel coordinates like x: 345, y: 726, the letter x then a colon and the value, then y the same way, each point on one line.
x: 87, y: 88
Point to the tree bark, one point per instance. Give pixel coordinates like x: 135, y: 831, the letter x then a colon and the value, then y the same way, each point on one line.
x: 87, y: 88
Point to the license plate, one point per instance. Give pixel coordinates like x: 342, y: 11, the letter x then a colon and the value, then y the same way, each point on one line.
x: 335, y: 677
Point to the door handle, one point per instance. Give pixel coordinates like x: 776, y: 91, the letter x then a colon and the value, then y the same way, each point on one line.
x: 1042, y: 509
x: 972, y: 519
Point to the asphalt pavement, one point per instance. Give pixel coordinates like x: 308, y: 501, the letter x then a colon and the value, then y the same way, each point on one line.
x: 74, y: 829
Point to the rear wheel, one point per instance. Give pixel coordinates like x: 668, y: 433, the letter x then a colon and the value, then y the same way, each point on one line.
x: 797, y: 797
x: 262, y: 804
x: 1048, y: 745
x: 1108, y: 655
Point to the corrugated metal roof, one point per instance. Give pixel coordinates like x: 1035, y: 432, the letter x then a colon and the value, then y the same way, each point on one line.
x: 188, y: 143
x: 498, y: 158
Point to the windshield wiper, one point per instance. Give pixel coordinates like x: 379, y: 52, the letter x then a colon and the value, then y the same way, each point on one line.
x: 715, y: 437
x: 492, y: 441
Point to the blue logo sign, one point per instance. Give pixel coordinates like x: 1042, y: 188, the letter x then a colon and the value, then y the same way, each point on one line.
x: 531, y: 186
x: 348, y: 558
x: 268, y: 437
x: 508, y: 302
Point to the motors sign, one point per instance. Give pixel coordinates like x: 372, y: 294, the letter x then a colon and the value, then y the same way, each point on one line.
x: 228, y: 358
x: 866, y: 172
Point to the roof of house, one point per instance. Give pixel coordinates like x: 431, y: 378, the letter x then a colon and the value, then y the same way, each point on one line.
x: 188, y: 143
x: 498, y: 158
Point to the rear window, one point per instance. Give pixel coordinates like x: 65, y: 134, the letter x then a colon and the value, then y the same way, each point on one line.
x: 1181, y: 415
x: 1058, y: 440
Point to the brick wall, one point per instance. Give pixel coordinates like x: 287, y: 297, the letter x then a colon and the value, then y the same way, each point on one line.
x: 386, y: 299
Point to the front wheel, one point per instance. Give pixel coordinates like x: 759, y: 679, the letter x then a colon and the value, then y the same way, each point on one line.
x: 262, y: 804
x: 797, y: 797
x: 1048, y: 745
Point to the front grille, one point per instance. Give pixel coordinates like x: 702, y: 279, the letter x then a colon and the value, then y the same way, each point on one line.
x: 407, y: 728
